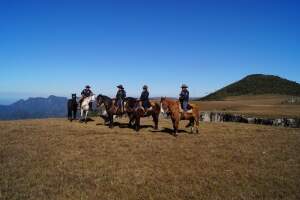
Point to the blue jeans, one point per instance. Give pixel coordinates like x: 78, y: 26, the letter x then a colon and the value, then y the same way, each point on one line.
x: 185, y: 105
x: 146, y: 104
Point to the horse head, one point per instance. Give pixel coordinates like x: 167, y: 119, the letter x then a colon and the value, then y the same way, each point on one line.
x: 100, y: 100
x: 164, y: 106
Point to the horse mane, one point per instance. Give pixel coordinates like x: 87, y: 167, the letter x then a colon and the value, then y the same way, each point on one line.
x: 171, y: 101
x: 104, y: 97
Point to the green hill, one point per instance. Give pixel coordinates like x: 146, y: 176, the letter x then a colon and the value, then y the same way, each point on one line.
x: 257, y: 84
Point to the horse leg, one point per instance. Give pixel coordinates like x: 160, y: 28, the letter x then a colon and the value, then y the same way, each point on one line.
x: 137, y: 123
x: 192, y: 126
x: 75, y: 114
x: 175, y: 126
x: 81, y: 115
x: 155, y: 120
x: 130, y: 116
x: 86, y: 114
x: 197, y: 124
x: 69, y: 114
x: 111, y: 120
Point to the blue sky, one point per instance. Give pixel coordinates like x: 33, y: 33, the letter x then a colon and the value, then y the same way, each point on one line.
x: 59, y: 46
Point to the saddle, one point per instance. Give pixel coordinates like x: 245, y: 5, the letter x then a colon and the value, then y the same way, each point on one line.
x: 189, y: 107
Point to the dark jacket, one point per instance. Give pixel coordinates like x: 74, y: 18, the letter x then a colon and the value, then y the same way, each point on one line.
x: 86, y: 92
x: 184, y: 95
x: 144, y: 96
x: 121, y: 94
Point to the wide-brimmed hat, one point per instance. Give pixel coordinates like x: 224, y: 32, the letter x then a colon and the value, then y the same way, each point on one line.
x: 87, y: 86
x: 145, y: 87
x: 184, y: 86
x: 120, y: 86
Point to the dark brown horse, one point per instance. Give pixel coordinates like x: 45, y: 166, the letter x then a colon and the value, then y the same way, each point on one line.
x: 72, y: 108
x: 110, y: 109
x: 173, y: 108
x: 135, y: 111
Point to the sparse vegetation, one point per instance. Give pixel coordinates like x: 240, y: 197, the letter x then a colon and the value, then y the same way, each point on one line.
x: 56, y: 159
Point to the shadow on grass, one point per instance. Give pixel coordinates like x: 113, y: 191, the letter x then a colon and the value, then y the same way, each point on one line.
x: 87, y: 120
x: 125, y: 125
x: 168, y: 131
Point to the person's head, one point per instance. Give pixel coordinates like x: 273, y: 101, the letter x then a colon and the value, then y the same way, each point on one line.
x: 120, y: 87
x: 145, y: 87
x: 184, y: 87
x: 87, y: 87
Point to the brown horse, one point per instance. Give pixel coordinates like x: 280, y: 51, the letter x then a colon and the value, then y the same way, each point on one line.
x: 173, y: 108
x: 111, y: 109
x: 135, y: 111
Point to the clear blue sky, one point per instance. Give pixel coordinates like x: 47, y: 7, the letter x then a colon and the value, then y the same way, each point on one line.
x: 59, y: 46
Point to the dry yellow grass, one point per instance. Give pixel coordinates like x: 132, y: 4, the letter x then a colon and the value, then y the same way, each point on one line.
x: 259, y: 105
x: 56, y: 159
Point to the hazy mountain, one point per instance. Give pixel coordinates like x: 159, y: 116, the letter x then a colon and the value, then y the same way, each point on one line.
x: 257, y: 84
x: 39, y: 107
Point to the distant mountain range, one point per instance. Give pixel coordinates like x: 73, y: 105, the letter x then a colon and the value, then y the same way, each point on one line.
x: 32, y: 108
x: 257, y: 84
x: 54, y: 106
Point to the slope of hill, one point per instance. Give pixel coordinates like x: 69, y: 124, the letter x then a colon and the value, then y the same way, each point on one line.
x: 257, y: 84
x: 35, y: 108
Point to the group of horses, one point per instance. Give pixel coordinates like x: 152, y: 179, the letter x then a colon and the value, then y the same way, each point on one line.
x: 108, y: 110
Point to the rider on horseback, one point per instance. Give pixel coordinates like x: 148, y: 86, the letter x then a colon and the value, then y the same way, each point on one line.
x: 145, y: 98
x: 120, y: 97
x: 87, y: 92
x: 184, y: 97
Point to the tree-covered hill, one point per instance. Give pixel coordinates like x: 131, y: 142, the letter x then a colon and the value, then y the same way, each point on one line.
x: 257, y: 84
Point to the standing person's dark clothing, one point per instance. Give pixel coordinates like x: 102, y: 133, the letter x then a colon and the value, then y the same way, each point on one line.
x: 184, y: 97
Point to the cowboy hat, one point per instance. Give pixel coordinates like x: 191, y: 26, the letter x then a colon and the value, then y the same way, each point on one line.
x: 184, y: 86
x: 120, y: 86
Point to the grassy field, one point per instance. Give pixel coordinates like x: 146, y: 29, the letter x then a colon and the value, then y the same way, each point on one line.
x: 258, y: 106
x: 56, y: 159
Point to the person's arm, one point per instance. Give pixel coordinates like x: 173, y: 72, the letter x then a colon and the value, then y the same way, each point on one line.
x: 181, y: 96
